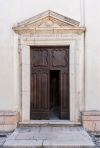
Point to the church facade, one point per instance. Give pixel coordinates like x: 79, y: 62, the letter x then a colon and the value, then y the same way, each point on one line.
x: 49, y: 63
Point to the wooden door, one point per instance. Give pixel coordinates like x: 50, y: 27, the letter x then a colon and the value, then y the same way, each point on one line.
x: 39, y: 104
x: 44, y: 59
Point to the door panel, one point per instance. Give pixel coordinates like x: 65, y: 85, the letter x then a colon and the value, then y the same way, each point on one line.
x: 44, y: 95
x: 44, y: 91
x: 34, y: 95
x: 64, y: 95
x: 34, y: 91
x: 40, y: 95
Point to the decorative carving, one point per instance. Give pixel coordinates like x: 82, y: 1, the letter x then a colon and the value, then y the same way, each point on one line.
x: 51, y: 15
x: 59, y: 57
x: 46, y: 20
x: 49, y: 35
x: 49, y: 24
x: 40, y: 58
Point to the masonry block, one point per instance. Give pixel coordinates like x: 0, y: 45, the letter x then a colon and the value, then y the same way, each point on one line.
x: 91, y: 121
x: 8, y: 120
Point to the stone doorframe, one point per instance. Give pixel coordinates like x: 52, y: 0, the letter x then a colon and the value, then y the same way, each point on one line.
x: 76, y: 69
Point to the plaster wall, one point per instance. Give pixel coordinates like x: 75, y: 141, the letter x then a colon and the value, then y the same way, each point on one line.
x: 14, y: 11
x: 17, y: 11
x: 6, y: 54
x: 30, y: 8
x: 92, y: 55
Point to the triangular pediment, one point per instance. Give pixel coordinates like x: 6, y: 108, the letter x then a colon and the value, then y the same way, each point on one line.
x: 48, y: 19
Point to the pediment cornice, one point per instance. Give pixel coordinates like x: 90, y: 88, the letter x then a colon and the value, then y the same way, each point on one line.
x: 47, y: 23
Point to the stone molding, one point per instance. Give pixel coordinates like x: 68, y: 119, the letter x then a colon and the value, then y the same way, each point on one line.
x: 8, y: 120
x: 91, y: 120
x: 52, y: 30
x: 49, y: 36
x: 71, y: 40
x: 49, y: 22
x: 49, y: 14
x: 68, y: 33
x: 91, y: 113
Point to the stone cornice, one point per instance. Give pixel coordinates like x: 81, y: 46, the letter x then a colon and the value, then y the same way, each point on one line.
x: 51, y: 30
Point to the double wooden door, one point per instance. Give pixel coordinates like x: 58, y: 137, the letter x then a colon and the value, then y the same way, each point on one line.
x: 44, y: 60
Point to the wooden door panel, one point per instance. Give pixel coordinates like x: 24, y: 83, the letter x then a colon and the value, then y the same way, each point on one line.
x: 44, y: 91
x: 34, y: 91
x: 65, y: 91
x: 59, y: 57
x: 39, y: 58
x: 43, y: 116
x: 34, y: 95
x: 64, y: 95
x: 40, y: 95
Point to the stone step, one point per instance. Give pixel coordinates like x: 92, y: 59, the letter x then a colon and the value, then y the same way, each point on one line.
x: 49, y: 137
x: 50, y: 123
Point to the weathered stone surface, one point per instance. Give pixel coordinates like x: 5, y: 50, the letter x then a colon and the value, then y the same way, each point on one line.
x: 52, y: 136
x: 23, y: 143
x: 57, y: 129
x: 49, y: 123
x: 24, y: 135
x: 45, y: 129
x: 2, y: 121
x: 3, y: 139
x: 49, y: 137
x: 91, y: 113
x: 91, y: 121
x: 40, y: 136
x: 65, y: 129
x: 67, y: 144
x: 8, y: 120
x: 91, y: 126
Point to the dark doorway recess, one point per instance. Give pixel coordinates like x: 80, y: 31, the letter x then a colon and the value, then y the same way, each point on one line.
x: 54, y: 94
x: 49, y: 83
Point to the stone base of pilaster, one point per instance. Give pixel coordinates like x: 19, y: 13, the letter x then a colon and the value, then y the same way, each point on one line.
x: 8, y: 120
x: 91, y: 121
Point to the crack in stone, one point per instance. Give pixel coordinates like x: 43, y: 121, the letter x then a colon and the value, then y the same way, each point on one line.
x: 42, y: 144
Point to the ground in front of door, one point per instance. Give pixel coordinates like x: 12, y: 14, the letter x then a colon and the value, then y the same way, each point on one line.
x: 49, y: 137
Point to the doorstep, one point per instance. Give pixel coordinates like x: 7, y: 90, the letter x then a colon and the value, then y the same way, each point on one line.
x: 49, y: 137
x: 50, y: 123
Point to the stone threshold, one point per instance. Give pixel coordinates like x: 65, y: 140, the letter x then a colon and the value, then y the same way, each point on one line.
x: 50, y: 123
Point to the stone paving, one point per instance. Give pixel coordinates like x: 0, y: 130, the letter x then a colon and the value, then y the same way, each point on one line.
x: 95, y: 138
x: 3, y: 139
x: 49, y: 137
